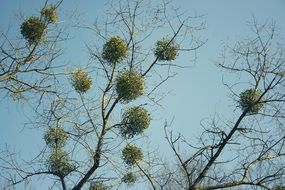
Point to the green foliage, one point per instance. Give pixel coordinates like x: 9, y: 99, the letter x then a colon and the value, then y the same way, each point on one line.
x: 135, y: 121
x: 49, y: 14
x: 132, y: 154
x: 81, y: 81
x: 55, y: 137
x: 33, y: 30
x: 129, y: 178
x: 58, y: 163
x: 115, y: 50
x: 248, y: 100
x: 129, y: 85
x: 279, y: 187
x: 98, y: 185
x: 166, y: 50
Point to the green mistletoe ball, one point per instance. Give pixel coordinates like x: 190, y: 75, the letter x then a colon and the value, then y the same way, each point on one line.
x: 115, y: 50
x: 248, y: 100
x: 129, y: 85
x: 55, y: 137
x: 58, y: 163
x: 81, y: 81
x: 49, y: 14
x: 166, y: 50
x: 132, y: 155
x: 33, y: 30
x: 98, y: 185
x: 135, y: 121
x: 279, y: 187
x: 129, y: 178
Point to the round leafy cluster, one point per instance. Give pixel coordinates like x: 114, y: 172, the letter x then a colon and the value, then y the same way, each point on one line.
x: 132, y: 154
x: 81, y: 81
x: 279, y: 187
x: 58, y: 163
x: 129, y: 178
x: 33, y: 30
x: 129, y: 85
x: 248, y: 100
x: 135, y: 121
x: 166, y: 50
x: 49, y: 14
x: 98, y: 185
x: 55, y: 137
x: 115, y: 50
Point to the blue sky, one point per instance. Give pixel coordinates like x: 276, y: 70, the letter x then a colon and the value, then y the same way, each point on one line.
x: 196, y: 92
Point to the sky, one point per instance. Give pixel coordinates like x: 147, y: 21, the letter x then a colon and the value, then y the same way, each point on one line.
x: 196, y: 93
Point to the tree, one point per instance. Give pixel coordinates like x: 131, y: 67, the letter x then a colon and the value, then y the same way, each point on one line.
x: 254, y: 138
x: 95, y: 116
x: 88, y: 144
x: 27, y: 66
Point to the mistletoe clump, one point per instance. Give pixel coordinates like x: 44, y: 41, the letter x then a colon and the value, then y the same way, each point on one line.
x: 98, y: 185
x: 115, y: 50
x: 248, y: 100
x: 279, y: 187
x: 130, y: 178
x: 81, y: 81
x: 135, y: 121
x: 58, y: 163
x: 166, y: 50
x: 55, y: 137
x: 49, y: 14
x: 129, y: 86
x: 33, y: 30
x: 132, y: 155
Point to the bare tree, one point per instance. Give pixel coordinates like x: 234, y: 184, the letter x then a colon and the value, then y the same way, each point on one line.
x: 27, y: 68
x: 248, y: 151
x: 94, y: 128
